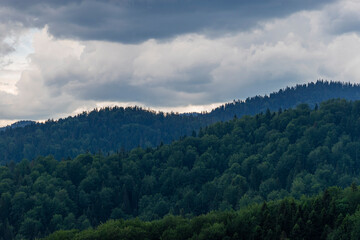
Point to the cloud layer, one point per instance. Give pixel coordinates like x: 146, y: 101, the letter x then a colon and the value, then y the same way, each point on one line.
x: 139, y: 20
x: 77, y: 63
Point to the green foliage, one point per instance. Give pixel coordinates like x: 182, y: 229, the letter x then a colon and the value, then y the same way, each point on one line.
x: 228, y: 166
x: 319, y: 217
x: 111, y: 130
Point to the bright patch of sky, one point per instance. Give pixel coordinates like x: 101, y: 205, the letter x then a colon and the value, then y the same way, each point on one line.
x: 17, y: 61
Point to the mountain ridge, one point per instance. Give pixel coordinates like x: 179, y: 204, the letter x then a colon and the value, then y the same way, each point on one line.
x: 114, y: 129
x: 228, y: 165
x: 18, y: 124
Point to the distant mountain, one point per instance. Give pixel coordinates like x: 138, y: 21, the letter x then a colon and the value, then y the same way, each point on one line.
x: 229, y: 165
x: 19, y: 124
x: 116, y: 129
x: 311, y: 93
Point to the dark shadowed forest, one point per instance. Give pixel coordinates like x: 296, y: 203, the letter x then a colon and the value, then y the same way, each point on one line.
x: 110, y: 130
x: 226, y: 166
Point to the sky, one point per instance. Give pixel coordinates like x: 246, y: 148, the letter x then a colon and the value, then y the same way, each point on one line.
x: 62, y: 57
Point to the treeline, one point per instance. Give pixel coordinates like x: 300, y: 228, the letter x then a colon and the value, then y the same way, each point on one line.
x: 113, y: 129
x: 312, y: 94
x: 19, y: 124
x: 332, y: 215
x: 101, y: 130
x: 227, y: 166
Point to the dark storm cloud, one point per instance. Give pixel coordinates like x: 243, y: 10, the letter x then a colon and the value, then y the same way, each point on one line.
x: 138, y: 20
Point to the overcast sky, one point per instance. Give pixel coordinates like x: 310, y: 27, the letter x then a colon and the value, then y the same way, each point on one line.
x: 61, y: 57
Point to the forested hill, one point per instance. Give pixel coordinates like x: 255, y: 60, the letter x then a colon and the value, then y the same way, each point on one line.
x: 227, y: 166
x: 105, y: 130
x: 311, y: 93
x: 113, y: 129
x: 333, y: 214
x: 19, y: 124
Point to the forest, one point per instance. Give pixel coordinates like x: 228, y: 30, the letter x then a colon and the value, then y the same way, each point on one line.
x: 332, y: 215
x: 110, y: 130
x: 224, y: 167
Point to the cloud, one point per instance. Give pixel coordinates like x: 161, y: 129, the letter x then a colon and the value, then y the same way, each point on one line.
x: 189, y: 69
x: 342, y: 17
x: 9, y: 34
x: 139, y: 20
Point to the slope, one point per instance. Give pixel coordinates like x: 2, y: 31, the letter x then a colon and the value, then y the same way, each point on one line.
x: 113, y: 129
x: 333, y: 214
x: 227, y: 166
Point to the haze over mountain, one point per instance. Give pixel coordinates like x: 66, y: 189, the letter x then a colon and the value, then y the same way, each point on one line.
x: 18, y: 124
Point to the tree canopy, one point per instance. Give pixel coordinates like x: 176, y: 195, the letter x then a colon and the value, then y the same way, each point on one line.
x: 332, y: 214
x: 228, y: 165
x: 110, y: 130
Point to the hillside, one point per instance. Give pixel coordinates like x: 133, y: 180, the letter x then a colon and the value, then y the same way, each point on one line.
x: 332, y: 214
x: 311, y: 94
x: 113, y: 129
x: 19, y: 124
x: 227, y: 166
